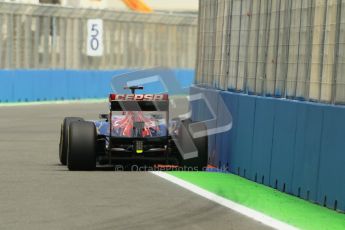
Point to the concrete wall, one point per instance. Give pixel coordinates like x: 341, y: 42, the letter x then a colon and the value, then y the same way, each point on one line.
x: 281, y: 48
x: 55, y: 37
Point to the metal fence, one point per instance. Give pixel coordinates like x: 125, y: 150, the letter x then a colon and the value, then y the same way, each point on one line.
x: 53, y: 37
x: 285, y: 48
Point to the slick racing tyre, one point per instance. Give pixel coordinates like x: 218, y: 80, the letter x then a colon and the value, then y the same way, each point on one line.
x: 81, y: 154
x: 201, y: 144
x: 63, y: 138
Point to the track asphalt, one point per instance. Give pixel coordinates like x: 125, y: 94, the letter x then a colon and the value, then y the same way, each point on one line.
x: 36, y: 192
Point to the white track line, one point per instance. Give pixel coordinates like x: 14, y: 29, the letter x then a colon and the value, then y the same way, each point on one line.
x: 262, y: 218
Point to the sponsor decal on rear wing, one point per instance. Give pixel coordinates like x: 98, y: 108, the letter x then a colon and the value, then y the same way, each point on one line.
x: 138, y: 97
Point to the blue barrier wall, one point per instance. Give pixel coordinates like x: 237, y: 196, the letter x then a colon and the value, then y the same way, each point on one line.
x: 47, y: 85
x: 296, y: 147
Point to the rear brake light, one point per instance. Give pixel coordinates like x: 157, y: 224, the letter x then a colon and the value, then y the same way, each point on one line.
x: 112, y: 97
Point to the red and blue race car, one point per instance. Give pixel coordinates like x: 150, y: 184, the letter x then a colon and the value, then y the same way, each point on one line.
x: 136, y: 130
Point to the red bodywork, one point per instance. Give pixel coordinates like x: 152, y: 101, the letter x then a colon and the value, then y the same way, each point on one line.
x: 123, y: 125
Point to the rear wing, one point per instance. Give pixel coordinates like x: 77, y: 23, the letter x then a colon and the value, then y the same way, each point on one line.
x: 138, y: 97
x: 139, y: 102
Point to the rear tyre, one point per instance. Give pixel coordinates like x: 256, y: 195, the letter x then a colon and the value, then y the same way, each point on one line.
x: 81, y: 153
x: 201, y: 143
x: 63, y: 138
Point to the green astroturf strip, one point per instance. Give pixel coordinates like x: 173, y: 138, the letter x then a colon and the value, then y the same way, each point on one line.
x: 289, y: 209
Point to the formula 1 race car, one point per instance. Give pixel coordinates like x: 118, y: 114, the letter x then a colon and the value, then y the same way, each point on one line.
x: 137, y: 130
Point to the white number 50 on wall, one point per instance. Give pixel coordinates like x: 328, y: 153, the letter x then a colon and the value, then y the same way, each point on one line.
x: 95, y: 37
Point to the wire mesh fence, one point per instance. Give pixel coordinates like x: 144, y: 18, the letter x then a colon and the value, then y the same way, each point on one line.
x: 53, y: 37
x: 285, y: 48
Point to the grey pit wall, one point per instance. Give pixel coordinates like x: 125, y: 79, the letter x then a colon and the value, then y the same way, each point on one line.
x: 54, y: 37
x: 281, y: 48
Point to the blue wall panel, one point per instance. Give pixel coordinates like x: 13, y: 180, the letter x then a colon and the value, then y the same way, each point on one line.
x: 6, y: 88
x: 298, y: 147
x: 209, y: 112
x: 229, y: 138
x: 23, y: 87
x: 220, y: 157
x: 244, y: 135
x: 331, y: 179
x: 282, y: 158
x: 262, y: 139
x: 307, y: 151
x: 43, y: 85
x: 57, y: 92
